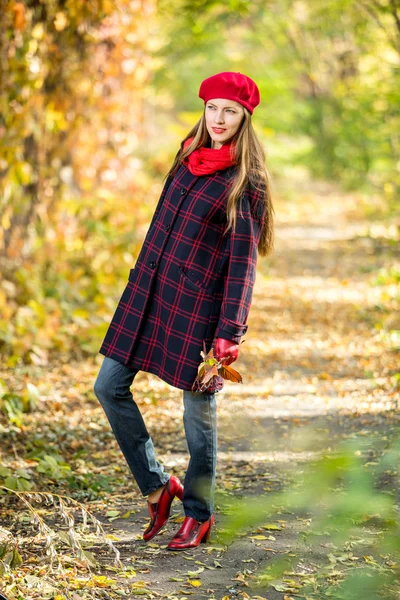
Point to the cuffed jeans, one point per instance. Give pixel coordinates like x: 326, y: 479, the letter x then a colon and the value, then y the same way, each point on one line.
x: 112, y: 388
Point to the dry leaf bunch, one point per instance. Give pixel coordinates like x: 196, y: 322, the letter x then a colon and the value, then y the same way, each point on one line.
x: 212, y: 372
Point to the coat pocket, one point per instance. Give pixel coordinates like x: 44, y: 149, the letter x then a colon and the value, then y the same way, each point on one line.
x: 194, y: 281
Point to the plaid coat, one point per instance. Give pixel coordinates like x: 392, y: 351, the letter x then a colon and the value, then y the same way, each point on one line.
x: 190, y: 283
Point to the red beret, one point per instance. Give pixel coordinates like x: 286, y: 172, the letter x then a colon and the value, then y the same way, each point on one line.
x: 232, y: 86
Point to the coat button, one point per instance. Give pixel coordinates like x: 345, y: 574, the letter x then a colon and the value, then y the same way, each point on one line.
x: 168, y: 227
x: 183, y: 191
x: 152, y: 264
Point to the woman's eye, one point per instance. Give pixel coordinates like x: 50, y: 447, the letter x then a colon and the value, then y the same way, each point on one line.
x: 227, y: 110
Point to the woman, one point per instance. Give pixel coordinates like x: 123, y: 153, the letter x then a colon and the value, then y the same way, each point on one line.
x: 192, y: 283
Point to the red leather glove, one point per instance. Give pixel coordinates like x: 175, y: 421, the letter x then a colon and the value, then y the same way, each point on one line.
x: 226, y: 349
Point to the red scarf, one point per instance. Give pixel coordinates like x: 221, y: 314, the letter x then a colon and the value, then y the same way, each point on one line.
x: 204, y: 161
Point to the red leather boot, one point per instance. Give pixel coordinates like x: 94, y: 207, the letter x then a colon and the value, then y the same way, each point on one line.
x: 191, y: 534
x: 159, y: 511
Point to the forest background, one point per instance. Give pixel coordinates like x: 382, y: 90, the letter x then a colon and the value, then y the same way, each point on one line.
x: 95, y: 99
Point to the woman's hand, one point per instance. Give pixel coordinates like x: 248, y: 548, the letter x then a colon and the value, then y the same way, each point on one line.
x: 226, y: 349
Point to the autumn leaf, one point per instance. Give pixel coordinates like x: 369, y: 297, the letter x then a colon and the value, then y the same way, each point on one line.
x: 197, y: 572
x: 227, y: 372
x: 210, y: 373
x: 19, y: 16
x: 207, y: 355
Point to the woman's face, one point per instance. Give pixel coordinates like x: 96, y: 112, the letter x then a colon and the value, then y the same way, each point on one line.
x: 223, y: 119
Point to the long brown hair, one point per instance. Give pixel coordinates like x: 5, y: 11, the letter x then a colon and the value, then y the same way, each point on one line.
x: 249, y: 157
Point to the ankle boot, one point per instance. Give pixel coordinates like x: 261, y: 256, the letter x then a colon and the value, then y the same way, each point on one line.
x: 191, y: 534
x: 159, y: 511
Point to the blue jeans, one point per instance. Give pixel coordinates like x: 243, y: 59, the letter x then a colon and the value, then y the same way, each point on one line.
x: 112, y: 388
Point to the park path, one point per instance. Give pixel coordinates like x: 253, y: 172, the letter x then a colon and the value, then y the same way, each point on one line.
x: 315, y: 371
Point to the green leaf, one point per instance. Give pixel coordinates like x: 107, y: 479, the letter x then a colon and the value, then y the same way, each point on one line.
x: 90, y: 558
x: 271, y: 526
x: 16, y: 559
x: 194, y: 573
x: 11, y: 482
x: 33, y: 395
x: 23, y: 484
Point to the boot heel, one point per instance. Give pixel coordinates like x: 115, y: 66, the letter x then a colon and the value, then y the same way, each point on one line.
x: 206, y: 537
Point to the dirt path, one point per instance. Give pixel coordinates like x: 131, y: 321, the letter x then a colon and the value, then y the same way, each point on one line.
x: 315, y: 371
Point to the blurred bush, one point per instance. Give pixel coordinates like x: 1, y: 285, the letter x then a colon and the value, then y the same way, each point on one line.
x: 348, y: 501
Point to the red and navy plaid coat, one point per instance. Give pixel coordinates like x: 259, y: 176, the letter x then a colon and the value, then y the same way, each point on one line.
x: 190, y: 283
